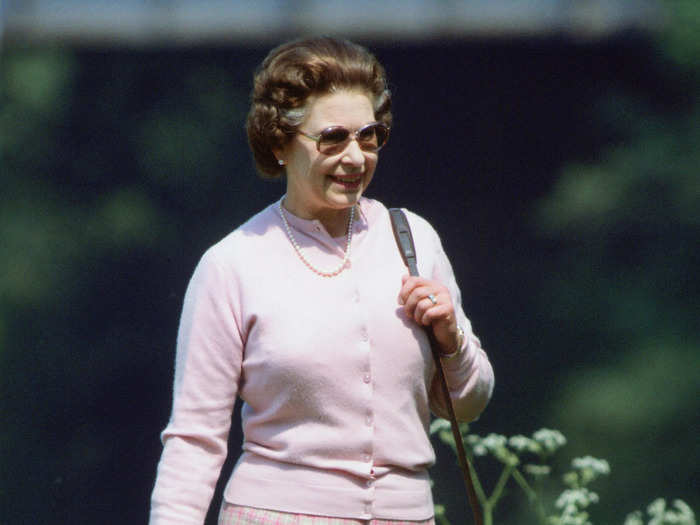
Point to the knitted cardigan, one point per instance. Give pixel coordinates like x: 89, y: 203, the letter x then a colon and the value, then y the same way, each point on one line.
x: 337, y: 382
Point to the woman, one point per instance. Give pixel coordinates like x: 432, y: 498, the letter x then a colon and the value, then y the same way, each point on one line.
x: 306, y: 313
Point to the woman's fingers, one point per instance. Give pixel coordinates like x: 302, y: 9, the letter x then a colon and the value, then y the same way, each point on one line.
x: 425, y: 312
x: 425, y: 301
x: 429, y: 303
x: 412, y: 285
x: 418, y: 294
x: 432, y: 315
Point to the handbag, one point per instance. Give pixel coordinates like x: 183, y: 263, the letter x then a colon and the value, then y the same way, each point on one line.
x: 404, y: 241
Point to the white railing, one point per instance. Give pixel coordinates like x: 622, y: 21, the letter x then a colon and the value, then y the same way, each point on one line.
x: 172, y: 22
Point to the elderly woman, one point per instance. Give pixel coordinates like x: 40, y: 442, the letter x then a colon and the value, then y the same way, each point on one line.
x: 306, y: 313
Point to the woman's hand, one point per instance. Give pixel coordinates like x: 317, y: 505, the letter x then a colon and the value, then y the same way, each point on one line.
x: 429, y: 303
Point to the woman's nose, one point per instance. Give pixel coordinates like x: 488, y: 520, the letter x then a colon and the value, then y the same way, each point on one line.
x: 353, y: 154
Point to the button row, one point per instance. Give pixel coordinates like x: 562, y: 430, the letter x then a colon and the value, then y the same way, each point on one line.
x: 364, y: 335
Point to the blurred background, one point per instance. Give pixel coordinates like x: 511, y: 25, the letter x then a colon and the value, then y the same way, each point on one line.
x: 552, y: 143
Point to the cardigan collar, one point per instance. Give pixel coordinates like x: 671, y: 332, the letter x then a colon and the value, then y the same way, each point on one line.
x: 363, y: 213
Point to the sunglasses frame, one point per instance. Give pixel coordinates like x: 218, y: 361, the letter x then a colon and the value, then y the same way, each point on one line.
x: 351, y: 134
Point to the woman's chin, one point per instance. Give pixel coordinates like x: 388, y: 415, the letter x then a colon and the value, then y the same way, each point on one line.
x: 346, y: 197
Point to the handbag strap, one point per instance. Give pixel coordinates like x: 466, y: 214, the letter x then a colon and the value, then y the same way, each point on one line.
x: 404, y: 240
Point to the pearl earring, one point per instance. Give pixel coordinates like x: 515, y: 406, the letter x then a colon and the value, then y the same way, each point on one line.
x: 280, y: 162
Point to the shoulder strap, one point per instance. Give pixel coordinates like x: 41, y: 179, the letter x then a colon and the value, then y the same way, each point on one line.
x: 404, y: 240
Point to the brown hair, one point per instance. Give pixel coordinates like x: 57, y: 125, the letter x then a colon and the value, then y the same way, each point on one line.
x: 293, y: 72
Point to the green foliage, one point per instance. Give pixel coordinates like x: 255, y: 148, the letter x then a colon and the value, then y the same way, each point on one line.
x: 31, y: 104
x: 98, y: 175
x: 624, y: 287
x: 680, y: 36
x: 572, y: 504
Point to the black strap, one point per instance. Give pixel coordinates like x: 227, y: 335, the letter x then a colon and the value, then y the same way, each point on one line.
x: 404, y: 240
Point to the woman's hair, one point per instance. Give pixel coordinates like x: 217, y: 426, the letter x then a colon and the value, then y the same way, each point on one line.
x: 293, y: 72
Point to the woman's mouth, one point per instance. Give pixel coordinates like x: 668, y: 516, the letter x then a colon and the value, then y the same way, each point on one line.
x: 348, y: 181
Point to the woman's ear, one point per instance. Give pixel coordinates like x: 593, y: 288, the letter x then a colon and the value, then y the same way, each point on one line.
x: 279, y: 155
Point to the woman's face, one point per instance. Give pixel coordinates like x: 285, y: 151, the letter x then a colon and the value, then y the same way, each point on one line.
x: 320, y: 185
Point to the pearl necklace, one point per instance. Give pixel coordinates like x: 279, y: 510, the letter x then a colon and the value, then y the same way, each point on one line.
x: 324, y: 273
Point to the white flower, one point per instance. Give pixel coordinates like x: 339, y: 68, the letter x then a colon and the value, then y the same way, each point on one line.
x: 494, y: 442
x: 525, y: 444
x: 438, y: 425
x: 576, y: 499
x: 635, y: 518
x: 683, y: 515
x: 551, y: 440
x: 598, y: 466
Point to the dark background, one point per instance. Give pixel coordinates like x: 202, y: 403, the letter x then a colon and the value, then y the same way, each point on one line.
x: 562, y: 176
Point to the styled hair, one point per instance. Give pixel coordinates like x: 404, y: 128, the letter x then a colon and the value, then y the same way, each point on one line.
x: 297, y: 70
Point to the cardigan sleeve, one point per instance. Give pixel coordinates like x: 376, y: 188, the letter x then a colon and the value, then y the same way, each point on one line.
x: 469, y: 375
x: 207, y: 371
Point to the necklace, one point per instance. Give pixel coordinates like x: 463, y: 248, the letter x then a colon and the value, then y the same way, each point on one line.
x: 324, y: 273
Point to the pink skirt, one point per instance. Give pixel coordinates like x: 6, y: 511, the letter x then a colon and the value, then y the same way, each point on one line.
x: 240, y: 515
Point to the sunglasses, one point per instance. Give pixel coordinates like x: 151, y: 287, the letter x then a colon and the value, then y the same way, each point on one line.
x: 334, y: 139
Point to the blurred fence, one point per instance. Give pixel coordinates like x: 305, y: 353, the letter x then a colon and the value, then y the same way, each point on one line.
x: 184, y: 22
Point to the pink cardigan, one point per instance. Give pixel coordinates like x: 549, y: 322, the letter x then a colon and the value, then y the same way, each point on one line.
x: 337, y: 383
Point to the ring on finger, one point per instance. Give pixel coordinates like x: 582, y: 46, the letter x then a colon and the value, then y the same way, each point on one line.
x: 432, y: 299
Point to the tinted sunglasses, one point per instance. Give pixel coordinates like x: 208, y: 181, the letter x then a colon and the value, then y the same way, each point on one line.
x: 334, y: 139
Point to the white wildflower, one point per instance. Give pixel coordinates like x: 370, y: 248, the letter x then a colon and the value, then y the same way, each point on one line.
x: 590, y: 468
x: 494, y: 442
x: 524, y: 444
x: 576, y: 498
x: 438, y: 425
x: 598, y: 466
x: 660, y: 515
x: 550, y: 440
x: 635, y: 518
